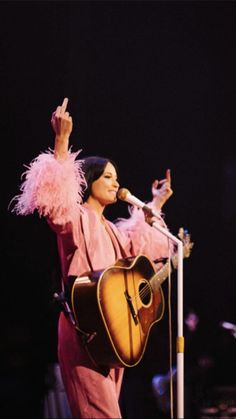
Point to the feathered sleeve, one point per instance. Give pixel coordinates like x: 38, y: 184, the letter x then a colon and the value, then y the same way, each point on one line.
x: 145, y: 239
x: 52, y: 187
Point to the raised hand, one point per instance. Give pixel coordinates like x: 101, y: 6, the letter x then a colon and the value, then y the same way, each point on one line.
x: 161, y: 190
x: 62, y: 121
x: 62, y: 125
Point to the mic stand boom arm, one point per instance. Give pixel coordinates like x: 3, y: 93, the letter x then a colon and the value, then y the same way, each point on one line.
x: 180, y: 338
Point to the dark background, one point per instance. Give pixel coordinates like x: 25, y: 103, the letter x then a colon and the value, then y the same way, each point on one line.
x: 151, y: 85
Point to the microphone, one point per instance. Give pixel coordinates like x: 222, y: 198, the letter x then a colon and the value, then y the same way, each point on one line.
x: 125, y: 195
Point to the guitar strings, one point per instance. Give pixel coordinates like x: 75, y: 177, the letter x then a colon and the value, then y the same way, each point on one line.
x: 141, y: 294
x: 146, y: 289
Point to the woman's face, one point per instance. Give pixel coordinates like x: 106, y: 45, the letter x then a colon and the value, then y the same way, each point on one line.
x: 105, y: 188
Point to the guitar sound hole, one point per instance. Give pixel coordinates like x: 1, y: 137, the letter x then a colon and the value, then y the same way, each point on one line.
x: 145, y: 292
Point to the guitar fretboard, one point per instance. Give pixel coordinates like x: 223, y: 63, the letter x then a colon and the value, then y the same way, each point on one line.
x: 163, y: 273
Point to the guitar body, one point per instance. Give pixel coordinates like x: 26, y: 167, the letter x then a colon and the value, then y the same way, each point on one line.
x: 116, y: 308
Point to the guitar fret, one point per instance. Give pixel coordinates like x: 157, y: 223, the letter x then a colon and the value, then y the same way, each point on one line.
x: 160, y: 276
x: 163, y: 273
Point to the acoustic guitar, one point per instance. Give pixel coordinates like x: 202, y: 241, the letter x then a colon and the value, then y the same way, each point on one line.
x: 115, y: 309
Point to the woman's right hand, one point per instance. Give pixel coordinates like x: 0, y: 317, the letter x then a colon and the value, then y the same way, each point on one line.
x: 62, y: 125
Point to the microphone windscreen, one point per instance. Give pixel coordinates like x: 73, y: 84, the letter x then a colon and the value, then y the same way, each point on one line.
x: 122, y: 193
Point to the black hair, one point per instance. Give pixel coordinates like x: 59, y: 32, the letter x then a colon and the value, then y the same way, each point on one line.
x: 93, y: 167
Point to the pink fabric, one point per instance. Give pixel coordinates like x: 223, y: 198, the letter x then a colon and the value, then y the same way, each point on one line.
x: 54, y: 189
x: 145, y: 239
x: 90, y: 393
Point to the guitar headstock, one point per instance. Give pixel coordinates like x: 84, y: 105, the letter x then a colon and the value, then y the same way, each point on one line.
x: 186, y: 239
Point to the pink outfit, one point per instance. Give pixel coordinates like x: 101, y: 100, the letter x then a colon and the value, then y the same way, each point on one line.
x: 54, y: 189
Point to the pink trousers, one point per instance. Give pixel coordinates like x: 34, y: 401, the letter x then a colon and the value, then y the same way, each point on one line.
x: 91, y: 394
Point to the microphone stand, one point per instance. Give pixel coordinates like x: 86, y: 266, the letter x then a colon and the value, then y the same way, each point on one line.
x: 180, y: 339
x: 125, y: 195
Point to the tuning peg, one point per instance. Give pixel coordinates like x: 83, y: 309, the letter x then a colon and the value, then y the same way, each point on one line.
x: 181, y: 233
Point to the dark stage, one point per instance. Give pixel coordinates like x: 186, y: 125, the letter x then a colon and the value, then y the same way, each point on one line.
x: 151, y: 84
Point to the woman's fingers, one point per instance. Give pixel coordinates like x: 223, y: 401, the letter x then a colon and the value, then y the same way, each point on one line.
x: 64, y: 104
x: 155, y: 184
x: 61, y: 120
x: 61, y: 110
x: 168, y: 176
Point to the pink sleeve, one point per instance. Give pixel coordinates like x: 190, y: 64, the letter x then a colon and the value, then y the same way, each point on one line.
x: 145, y: 239
x: 52, y: 187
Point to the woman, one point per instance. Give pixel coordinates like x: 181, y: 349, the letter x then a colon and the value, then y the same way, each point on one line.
x: 72, y: 194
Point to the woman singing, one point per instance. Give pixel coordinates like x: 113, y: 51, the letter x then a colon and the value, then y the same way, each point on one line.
x: 72, y: 194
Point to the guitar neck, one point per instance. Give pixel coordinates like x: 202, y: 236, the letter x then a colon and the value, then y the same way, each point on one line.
x: 163, y: 273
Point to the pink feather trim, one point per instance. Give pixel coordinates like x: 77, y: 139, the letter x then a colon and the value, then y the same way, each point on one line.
x: 136, y: 218
x: 52, y: 187
x: 146, y: 239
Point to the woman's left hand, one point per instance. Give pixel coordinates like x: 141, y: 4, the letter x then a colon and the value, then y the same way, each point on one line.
x: 161, y: 190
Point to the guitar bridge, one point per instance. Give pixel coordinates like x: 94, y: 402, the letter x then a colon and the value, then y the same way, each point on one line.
x: 131, y: 307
